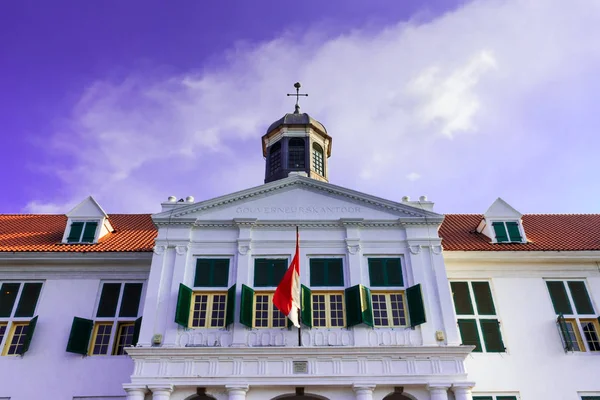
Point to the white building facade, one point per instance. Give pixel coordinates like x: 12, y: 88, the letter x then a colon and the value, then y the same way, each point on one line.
x: 398, y: 302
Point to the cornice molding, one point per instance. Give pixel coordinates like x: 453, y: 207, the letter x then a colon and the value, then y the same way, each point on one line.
x: 523, y: 256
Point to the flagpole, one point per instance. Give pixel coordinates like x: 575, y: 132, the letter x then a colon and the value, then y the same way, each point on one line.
x: 299, y: 312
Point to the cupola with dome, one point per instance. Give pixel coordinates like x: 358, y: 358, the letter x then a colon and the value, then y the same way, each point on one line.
x: 296, y: 143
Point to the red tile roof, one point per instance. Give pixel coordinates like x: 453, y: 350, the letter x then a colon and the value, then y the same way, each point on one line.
x: 136, y: 232
x: 28, y: 232
x: 545, y: 232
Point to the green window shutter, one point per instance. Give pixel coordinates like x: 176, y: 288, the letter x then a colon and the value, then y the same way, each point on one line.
x: 500, y: 231
x: 326, y: 272
x: 564, y: 332
x: 513, y: 232
x: 483, y: 398
x: 8, y: 296
x: 335, y: 272
x: 416, y: 308
x: 393, y: 272
x: 590, y: 397
x: 108, y: 300
x: 580, y: 296
x: 75, y: 233
x: 492, y: 337
x: 136, y: 331
x: 220, y: 272
x: 318, y: 272
x: 89, y: 232
x: 79, y: 337
x: 28, y: 300
x: 230, y: 311
x: 306, y: 306
x: 483, y: 298
x: 246, y: 314
x: 469, y: 334
x: 203, y: 272
x: 558, y: 294
x: 184, y: 302
x: 506, y: 397
x: 462, y: 298
x: 29, y: 335
x: 353, y: 306
x: 261, y: 272
x: 376, y: 272
x: 366, y: 306
x: 130, y: 303
x: 279, y: 269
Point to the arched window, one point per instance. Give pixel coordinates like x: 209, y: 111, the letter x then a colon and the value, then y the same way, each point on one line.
x: 296, y: 153
x: 317, y: 153
x: 275, y: 158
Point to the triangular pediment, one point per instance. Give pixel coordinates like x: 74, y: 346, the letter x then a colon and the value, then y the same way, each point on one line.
x: 297, y: 198
x: 88, y: 208
x: 501, y: 209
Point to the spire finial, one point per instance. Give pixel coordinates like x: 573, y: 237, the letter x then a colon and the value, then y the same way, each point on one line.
x: 297, y: 85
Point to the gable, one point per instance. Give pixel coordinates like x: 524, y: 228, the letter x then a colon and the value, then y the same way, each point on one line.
x: 501, y: 209
x: 297, y: 198
x: 88, y: 208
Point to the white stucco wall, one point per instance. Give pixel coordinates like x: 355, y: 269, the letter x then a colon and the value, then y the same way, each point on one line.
x: 535, y: 364
x: 47, y: 370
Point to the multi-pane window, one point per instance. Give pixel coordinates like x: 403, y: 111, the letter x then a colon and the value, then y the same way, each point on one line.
x: 266, y: 315
x: 208, y: 310
x: 495, y: 397
x: 116, y: 323
x: 577, y: 321
x: 296, y: 153
x: 82, y: 232
x: 507, y: 231
x: 328, y: 310
x: 477, y: 318
x: 389, y: 309
x: 18, y: 301
x: 317, y: 159
x: 275, y: 158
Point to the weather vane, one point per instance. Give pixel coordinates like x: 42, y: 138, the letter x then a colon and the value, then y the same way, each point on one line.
x: 297, y: 85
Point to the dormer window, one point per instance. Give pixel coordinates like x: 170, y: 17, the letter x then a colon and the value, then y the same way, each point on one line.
x: 83, y: 232
x: 507, y: 232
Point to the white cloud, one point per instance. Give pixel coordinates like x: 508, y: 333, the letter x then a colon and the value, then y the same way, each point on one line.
x: 413, y: 176
x: 392, y: 100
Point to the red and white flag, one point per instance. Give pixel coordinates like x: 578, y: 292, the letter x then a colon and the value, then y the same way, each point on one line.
x: 287, y: 294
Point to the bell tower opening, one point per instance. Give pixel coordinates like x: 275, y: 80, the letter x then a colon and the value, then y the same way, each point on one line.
x: 296, y: 143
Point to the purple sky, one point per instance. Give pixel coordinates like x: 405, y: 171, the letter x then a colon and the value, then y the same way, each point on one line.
x: 133, y: 101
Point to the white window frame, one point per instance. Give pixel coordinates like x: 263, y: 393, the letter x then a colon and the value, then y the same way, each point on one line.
x: 11, y: 320
x: 475, y: 316
x: 575, y: 316
x: 116, y: 320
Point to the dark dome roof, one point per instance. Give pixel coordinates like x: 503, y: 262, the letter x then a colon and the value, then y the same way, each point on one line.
x: 297, y: 119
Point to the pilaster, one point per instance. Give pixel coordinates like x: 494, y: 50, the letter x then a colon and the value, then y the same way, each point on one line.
x: 180, y: 275
x: 355, y: 272
x: 241, y: 274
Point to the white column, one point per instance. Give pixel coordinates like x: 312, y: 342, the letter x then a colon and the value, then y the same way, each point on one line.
x: 438, y: 391
x: 237, y: 392
x: 161, y: 392
x: 363, y: 392
x: 135, y: 392
x: 462, y: 391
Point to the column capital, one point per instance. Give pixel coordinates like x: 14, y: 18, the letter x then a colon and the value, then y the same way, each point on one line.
x: 237, y: 388
x: 133, y: 388
x: 166, y: 388
x: 436, y: 387
x: 363, y: 388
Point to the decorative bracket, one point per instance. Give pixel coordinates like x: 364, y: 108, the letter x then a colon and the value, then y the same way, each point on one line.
x: 181, y: 249
x: 244, y: 246
x: 415, y: 249
x: 158, y: 250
